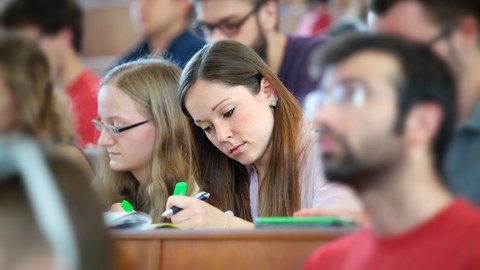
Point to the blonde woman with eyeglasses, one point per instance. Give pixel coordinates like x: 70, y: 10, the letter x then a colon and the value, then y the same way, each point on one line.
x: 144, y: 135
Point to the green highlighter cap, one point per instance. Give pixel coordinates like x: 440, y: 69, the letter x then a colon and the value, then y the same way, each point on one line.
x: 180, y: 188
x: 127, y: 206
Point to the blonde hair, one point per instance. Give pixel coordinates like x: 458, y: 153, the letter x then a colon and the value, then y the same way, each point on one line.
x: 41, y: 110
x: 152, y: 84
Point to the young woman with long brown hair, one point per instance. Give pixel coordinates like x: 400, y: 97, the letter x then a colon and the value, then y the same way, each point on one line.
x: 254, y: 151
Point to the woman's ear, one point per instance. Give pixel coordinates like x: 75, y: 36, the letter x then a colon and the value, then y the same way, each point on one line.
x: 267, y: 88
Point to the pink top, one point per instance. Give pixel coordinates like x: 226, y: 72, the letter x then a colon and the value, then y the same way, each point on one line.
x: 315, y: 191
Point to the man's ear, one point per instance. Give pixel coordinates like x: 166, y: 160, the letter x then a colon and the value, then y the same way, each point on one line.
x: 184, y: 7
x: 268, y: 16
x: 422, y: 124
x: 267, y: 89
x: 468, y: 29
x: 66, y: 36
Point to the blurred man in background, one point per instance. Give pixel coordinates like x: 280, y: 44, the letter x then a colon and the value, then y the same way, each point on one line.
x: 255, y: 24
x: 164, y: 26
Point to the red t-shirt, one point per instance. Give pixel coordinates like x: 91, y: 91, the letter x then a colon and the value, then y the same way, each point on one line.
x: 450, y: 240
x: 83, y: 99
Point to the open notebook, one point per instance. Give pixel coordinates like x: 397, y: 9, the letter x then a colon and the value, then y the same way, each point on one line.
x: 133, y: 221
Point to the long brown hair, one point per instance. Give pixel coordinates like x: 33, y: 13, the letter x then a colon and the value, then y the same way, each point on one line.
x: 41, y: 111
x: 227, y: 180
x: 152, y: 84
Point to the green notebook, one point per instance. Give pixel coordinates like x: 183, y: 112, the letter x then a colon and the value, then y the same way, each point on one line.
x: 303, y: 222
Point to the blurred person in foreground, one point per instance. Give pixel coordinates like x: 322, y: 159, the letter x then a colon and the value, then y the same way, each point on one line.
x: 406, y: 97
x: 452, y: 29
x: 68, y: 233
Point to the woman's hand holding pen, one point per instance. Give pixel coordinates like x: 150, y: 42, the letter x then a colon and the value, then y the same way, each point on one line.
x: 196, y: 213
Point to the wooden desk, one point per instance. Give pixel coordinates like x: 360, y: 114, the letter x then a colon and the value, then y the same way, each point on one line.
x: 219, y: 249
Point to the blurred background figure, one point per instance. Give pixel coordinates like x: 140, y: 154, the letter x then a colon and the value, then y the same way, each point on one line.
x: 334, y: 17
x: 164, y: 27
x: 57, y: 25
x: 29, y: 103
x: 452, y: 29
x: 51, y: 218
x: 346, y: 17
x: 255, y: 23
x: 317, y: 21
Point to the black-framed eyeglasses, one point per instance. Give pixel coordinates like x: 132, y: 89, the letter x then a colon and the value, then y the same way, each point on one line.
x: 114, y: 131
x: 225, y: 26
x: 445, y: 32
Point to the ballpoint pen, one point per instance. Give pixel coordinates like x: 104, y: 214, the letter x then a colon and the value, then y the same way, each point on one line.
x: 203, y: 196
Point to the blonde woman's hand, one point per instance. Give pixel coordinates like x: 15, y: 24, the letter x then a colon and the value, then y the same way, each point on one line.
x: 117, y: 207
x: 196, y: 213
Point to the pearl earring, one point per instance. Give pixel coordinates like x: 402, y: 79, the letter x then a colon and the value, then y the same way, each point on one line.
x: 274, y: 103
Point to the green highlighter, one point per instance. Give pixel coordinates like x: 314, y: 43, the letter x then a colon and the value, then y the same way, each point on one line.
x: 127, y: 206
x: 180, y: 189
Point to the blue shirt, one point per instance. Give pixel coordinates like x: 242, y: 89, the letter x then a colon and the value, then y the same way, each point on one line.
x: 462, y: 162
x: 180, y: 50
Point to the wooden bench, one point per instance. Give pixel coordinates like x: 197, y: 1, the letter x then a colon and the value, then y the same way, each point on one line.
x: 218, y: 249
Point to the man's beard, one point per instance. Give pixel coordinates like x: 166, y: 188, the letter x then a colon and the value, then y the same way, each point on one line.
x: 343, y: 168
x: 353, y: 170
x: 260, y: 45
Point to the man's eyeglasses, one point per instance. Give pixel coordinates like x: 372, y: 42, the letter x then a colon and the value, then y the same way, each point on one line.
x: 225, y: 26
x: 114, y: 131
x: 352, y: 93
x: 445, y: 32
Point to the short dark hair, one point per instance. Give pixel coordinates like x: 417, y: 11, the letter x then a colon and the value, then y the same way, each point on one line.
x: 441, y: 12
x: 424, y: 78
x: 50, y: 16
